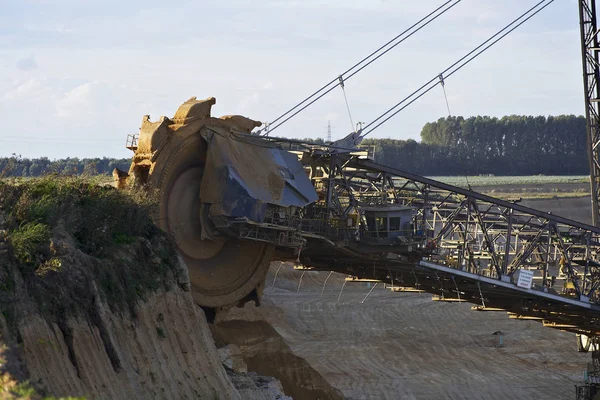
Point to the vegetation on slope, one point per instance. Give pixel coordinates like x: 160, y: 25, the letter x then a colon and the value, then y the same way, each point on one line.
x: 68, y: 245
x: 69, y: 236
x: 24, y: 391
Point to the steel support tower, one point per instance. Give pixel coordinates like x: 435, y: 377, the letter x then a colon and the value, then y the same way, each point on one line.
x: 591, y: 75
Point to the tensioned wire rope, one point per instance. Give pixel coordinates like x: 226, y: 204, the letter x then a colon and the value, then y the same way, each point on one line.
x: 455, y: 67
x: 359, y: 66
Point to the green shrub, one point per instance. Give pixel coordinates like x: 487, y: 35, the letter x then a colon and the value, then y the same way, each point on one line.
x: 112, y: 227
x: 24, y: 390
x: 53, y: 264
x: 160, y: 332
x: 77, y: 242
x: 28, y: 239
x: 97, y: 216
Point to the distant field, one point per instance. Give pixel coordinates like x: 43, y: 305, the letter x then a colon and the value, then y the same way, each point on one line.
x: 465, y: 181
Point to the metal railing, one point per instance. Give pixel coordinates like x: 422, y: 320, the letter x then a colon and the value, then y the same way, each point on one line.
x: 132, y: 141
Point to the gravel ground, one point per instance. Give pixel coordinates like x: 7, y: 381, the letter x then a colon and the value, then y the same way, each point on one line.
x: 405, y: 346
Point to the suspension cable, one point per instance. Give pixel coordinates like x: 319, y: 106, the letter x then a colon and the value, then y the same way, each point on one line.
x: 433, y: 82
x: 346, y: 100
x: 423, y: 22
x: 441, y: 76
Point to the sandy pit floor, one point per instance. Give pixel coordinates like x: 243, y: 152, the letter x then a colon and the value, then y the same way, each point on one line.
x: 406, y: 346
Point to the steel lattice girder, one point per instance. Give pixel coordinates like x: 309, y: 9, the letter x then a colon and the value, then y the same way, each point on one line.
x: 591, y: 75
x: 476, y: 232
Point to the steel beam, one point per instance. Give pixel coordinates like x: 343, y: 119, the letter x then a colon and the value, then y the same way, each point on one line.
x: 591, y: 90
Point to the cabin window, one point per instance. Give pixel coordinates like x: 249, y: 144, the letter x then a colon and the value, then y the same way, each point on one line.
x: 382, y: 227
x: 371, y: 224
x: 394, y: 224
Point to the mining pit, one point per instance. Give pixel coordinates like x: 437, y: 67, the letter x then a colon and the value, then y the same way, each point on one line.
x: 66, y: 331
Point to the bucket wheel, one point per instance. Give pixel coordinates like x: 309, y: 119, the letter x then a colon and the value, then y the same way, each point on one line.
x: 223, y: 270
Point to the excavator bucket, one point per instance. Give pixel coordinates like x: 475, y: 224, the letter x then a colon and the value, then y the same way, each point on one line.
x: 210, y: 173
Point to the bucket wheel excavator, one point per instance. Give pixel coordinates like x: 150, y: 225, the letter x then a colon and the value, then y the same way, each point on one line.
x: 233, y: 201
x: 209, y: 184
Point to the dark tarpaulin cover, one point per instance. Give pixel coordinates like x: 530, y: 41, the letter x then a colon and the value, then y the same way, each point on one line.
x: 245, y: 173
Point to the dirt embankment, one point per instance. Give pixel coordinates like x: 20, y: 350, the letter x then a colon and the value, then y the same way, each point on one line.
x: 265, y: 352
x: 94, y: 302
x: 165, y: 353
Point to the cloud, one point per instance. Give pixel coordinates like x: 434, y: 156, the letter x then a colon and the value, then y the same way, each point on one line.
x: 77, y: 102
x: 332, y: 116
x: 47, y: 28
x: 249, y: 101
x: 31, y: 89
x: 27, y: 64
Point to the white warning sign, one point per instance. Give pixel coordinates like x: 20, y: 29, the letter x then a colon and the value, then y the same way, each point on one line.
x: 525, y: 279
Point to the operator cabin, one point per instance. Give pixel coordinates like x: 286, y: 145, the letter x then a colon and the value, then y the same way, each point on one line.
x: 388, y: 224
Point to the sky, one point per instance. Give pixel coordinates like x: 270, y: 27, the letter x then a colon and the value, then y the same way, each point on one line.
x: 77, y: 76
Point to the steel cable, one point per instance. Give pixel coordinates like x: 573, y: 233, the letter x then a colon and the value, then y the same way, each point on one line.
x: 335, y: 82
x: 455, y: 67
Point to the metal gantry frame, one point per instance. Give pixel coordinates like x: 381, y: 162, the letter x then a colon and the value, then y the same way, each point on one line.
x: 591, y: 75
x: 496, y: 238
x: 459, y: 228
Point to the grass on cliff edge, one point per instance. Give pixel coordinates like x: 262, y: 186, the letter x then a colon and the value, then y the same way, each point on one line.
x: 128, y: 255
x: 97, y: 216
x: 25, y: 391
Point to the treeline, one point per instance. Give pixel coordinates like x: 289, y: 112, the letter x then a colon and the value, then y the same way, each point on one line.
x: 16, y: 166
x: 512, y: 145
